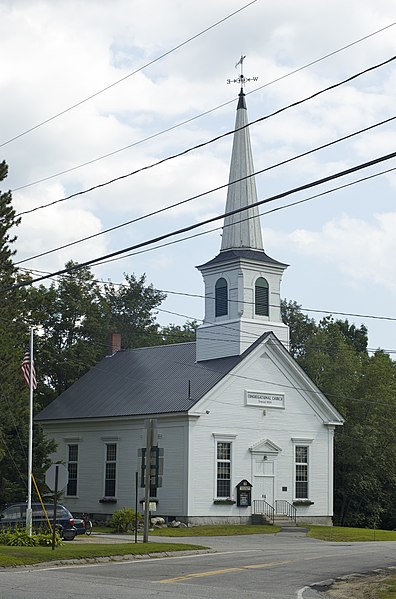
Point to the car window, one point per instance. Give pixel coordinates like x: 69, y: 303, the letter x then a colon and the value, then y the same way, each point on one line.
x: 62, y: 512
x: 12, y: 513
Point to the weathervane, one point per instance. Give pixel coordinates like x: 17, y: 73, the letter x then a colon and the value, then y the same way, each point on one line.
x: 241, y: 78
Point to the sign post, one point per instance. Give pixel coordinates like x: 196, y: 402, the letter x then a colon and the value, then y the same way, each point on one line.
x: 56, y: 478
x: 151, y: 433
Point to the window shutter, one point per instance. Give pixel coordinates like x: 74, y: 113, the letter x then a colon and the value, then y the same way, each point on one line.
x: 261, y: 297
x: 221, y: 298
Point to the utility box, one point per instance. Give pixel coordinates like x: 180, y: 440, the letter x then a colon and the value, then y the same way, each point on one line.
x: 244, y: 493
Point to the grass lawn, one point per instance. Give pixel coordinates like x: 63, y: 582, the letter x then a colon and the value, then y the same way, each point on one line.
x: 339, y: 533
x: 390, y: 591
x: 213, y: 530
x: 18, y: 556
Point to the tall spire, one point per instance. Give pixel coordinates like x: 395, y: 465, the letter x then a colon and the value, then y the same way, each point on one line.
x: 242, y: 230
x: 242, y: 283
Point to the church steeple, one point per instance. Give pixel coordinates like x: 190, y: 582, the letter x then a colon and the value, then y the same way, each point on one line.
x: 242, y: 283
x: 242, y: 230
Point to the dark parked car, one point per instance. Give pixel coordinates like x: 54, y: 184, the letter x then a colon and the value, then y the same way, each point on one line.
x: 15, y: 516
x: 79, y: 524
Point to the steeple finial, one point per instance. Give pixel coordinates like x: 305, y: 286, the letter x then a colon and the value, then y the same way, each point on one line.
x: 241, y: 78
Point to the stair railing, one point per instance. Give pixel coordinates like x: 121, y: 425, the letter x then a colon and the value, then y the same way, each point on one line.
x: 285, y: 508
x: 260, y: 506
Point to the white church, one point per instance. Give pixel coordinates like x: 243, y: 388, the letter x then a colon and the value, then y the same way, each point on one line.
x: 242, y: 431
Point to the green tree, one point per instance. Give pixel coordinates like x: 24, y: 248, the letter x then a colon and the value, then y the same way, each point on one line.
x: 131, y: 309
x: 14, y: 397
x: 363, y: 389
x: 70, y: 315
x: 76, y: 316
x: 301, y: 326
x: 179, y: 333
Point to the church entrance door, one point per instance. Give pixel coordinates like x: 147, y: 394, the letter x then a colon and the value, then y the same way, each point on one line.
x: 264, y: 478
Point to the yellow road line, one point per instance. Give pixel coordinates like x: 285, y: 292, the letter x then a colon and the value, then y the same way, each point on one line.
x: 224, y: 571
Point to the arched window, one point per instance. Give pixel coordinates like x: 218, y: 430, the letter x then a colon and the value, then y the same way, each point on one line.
x: 261, y: 303
x: 221, y: 298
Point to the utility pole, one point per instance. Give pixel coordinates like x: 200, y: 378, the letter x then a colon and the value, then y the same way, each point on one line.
x: 151, y: 427
x: 30, y: 447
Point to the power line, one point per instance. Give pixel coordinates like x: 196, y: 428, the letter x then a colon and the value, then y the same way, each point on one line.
x: 197, y: 116
x: 199, y: 365
x: 200, y: 296
x: 127, y: 76
x: 160, y: 210
x: 217, y: 138
x: 209, y: 220
x: 290, y: 205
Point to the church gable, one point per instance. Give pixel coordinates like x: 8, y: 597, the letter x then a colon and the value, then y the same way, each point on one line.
x: 268, y: 381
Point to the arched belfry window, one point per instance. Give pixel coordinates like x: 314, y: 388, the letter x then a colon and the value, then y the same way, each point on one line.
x: 261, y: 297
x: 221, y: 297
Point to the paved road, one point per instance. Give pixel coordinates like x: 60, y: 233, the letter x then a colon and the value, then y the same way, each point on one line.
x: 279, y: 566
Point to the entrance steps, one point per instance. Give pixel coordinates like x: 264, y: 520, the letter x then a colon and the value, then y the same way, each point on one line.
x: 280, y: 520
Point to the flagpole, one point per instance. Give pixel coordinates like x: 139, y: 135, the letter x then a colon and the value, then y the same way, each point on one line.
x: 30, y: 453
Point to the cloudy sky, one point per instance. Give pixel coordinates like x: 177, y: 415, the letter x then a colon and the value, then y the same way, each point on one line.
x: 163, y: 66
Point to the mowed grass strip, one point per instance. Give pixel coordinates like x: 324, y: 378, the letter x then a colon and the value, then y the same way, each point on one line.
x: 389, y: 592
x: 213, y: 530
x: 340, y: 533
x: 19, y: 556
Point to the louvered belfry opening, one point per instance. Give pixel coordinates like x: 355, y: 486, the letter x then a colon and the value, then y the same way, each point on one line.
x: 261, y: 299
x: 221, y: 298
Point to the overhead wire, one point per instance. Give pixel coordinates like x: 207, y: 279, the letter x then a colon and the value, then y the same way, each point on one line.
x: 182, y: 230
x: 200, y: 296
x: 312, y: 392
x: 197, y: 196
x: 262, y: 86
x: 151, y: 62
x: 289, y: 205
x: 208, y: 142
x: 206, y: 112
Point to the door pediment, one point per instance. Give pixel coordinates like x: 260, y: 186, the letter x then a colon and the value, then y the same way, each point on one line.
x: 265, y: 446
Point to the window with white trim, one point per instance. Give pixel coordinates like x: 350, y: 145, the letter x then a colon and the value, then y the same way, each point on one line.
x: 223, y: 469
x: 301, y: 471
x: 110, y: 470
x: 72, y: 468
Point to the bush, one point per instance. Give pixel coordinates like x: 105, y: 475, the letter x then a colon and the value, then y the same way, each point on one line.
x: 123, y: 520
x: 45, y: 539
x: 20, y: 538
x: 4, y: 536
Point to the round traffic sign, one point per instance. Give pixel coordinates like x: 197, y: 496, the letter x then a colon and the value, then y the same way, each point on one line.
x: 63, y: 476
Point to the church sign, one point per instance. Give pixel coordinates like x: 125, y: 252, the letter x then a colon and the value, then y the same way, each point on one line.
x: 264, y: 400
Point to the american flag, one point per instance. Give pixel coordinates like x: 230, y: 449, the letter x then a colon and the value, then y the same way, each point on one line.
x: 25, y: 367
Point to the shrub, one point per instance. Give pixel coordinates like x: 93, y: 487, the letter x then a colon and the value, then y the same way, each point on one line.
x: 4, y: 536
x: 45, y: 539
x: 123, y: 520
x: 20, y: 538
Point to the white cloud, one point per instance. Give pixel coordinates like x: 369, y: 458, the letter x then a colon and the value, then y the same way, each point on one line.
x: 58, y: 53
x: 362, y: 251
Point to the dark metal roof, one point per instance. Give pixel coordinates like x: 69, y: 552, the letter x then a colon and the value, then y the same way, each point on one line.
x: 231, y: 255
x: 149, y: 380
x: 241, y: 100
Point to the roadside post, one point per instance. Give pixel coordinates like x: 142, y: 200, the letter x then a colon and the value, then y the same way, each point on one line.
x: 151, y: 426
x: 56, y: 478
